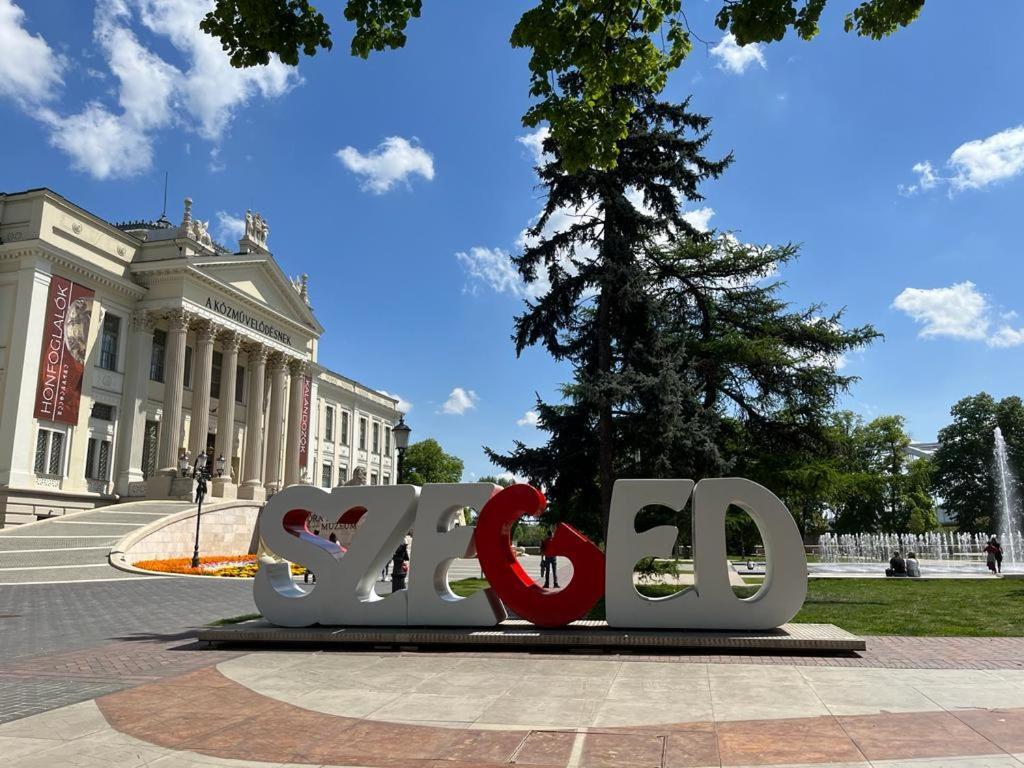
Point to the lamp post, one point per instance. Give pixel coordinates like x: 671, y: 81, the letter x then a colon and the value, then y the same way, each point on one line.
x: 401, y: 432
x: 200, y: 472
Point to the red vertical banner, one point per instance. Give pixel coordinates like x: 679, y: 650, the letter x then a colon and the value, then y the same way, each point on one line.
x: 307, y: 396
x: 62, y: 362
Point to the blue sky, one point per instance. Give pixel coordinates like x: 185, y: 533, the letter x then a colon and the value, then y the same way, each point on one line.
x: 897, y: 165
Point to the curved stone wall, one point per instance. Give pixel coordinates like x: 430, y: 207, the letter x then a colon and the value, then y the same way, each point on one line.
x: 227, y: 528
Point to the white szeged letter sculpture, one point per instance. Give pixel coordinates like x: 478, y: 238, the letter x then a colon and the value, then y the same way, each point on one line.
x: 711, y: 602
x: 439, y: 542
x: 333, y: 600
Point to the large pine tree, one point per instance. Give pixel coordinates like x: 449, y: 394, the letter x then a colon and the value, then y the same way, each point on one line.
x: 670, y: 331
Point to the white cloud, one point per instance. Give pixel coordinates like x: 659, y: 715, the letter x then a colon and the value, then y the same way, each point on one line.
x: 229, y: 228
x: 493, y: 267
x: 700, y: 218
x: 210, y: 88
x: 152, y: 94
x: 393, y: 161
x: 1007, y: 337
x: 535, y: 143
x: 960, y: 311
x: 975, y: 164
x: 460, y: 401
x: 984, y: 161
x: 530, y: 419
x: 737, y: 58
x: 403, y: 405
x: 30, y: 72
x: 100, y: 143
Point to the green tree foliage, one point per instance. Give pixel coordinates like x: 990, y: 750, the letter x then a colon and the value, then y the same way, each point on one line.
x: 608, y: 47
x: 859, y: 473
x: 676, y: 340
x: 426, y: 462
x: 504, y: 482
x: 964, y: 471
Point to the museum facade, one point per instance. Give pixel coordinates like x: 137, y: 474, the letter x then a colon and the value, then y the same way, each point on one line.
x: 128, y: 350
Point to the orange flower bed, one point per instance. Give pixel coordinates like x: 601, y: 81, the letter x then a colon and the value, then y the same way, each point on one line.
x: 212, y: 564
x: 230, y: 566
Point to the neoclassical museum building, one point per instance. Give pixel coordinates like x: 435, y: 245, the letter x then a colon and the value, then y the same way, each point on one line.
x: 128, y: 349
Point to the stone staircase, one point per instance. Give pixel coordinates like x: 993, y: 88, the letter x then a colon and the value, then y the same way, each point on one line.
x: 75, y: 547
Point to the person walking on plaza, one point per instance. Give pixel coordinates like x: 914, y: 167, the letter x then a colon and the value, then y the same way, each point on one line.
x: 400, y: 567
x: 548, y: 562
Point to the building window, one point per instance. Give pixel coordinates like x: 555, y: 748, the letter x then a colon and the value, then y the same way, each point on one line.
x: 376, y: 437
x: 103, y: 412
x: 344, y: 427
x: 239, y: 384
x: 97, y: 460
x: 325, y: 476
x: 387, y: 442
x: 49, y: 458
x: 329, y: 424
x: 362, y: 434
x: 158, y: 356
x: 187, y: 380
x: 109, y: 342
x: 215, y: 371
x: 387, y: 479
x: 373, y: 478
x: 342, y: 475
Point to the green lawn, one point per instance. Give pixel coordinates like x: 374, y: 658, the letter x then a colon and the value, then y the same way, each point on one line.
x: 940, y: 607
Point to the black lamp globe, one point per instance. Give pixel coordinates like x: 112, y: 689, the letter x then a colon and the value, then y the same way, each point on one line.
x: 401, y: 432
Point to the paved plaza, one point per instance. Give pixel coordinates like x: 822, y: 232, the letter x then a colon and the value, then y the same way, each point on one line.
x: 460, y: 709
x: 101, y: 668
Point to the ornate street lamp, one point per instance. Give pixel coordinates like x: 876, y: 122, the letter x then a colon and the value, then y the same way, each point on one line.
x: 401, y: 432
x: 201, y: 474
x: 221, y: 463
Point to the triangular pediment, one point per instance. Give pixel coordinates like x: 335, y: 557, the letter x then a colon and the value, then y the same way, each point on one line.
x: 259, y: 279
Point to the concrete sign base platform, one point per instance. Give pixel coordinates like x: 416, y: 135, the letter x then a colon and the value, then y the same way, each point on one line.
x: 580, y: 635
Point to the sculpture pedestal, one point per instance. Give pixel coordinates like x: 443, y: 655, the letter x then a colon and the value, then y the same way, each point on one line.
x: 521, y: 635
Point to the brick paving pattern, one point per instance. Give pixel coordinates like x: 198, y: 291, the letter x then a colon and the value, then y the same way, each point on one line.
x: 65, y: 643
x: 188, y: 713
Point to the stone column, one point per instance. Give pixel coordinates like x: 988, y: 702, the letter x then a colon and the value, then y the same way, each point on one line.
x: 174, y: 378
x: 252, y: 482
x: 18, y: 427
x: 292, y: 470
x: 224, y: 487
x: 202, y: 364
x: 275, y: 425
x: 131, y: 422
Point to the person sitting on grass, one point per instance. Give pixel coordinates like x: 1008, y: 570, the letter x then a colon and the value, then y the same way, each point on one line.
x: 897, y: 565
x: 913, y: 569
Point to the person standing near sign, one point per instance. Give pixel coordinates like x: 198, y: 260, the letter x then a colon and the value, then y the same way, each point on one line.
x: 548, y: 562
x: 399, y: 567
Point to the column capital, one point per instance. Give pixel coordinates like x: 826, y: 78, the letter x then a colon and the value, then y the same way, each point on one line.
x: 205, y: 330
x: 276, y: 363
x: 143, y: 320
x: 257, y: 354
x: 298, y: 367
x: 179, y: 319
x: 230, y: 340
